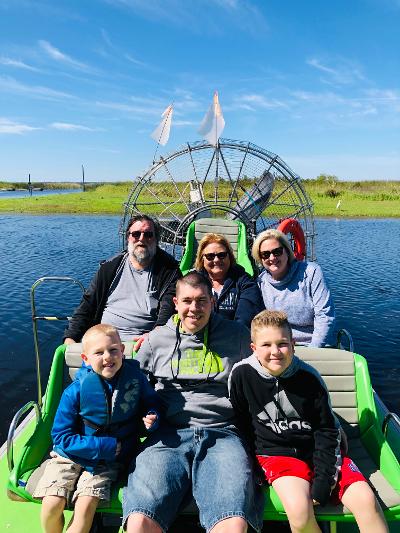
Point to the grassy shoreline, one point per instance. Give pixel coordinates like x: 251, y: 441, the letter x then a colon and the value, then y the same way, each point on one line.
x: 357, y: 199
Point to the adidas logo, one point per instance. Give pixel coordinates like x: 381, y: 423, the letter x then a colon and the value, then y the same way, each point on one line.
x: 285, y: 425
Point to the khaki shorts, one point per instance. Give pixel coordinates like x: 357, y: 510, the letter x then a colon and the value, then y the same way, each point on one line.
x: 63, y: 477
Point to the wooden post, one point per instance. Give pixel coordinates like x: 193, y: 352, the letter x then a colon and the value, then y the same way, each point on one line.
x: 83, y: 178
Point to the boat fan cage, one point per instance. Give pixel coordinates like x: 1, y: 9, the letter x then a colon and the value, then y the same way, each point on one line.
x: 235, y: 180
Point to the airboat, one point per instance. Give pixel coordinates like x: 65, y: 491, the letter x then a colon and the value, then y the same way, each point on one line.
x: 238, y: 189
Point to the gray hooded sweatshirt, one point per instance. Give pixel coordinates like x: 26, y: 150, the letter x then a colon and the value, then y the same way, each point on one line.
x: 192, y: 370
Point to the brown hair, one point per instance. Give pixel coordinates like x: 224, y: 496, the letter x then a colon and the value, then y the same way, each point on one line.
x: 195, y: 279
x: 210, y: 238
x: 265, y: 319
x: 271, y: 234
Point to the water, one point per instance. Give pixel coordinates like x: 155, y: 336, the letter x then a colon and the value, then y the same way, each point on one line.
x: 359, y: 259
x: 25, y: 193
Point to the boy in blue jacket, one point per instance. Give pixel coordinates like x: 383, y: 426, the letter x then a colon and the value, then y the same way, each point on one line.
x: 283, y: 408
x: 95, y: 431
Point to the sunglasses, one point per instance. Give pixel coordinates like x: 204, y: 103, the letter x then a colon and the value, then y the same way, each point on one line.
x: 276, y: 252
x: 137, y: 234
x: 212, y: 256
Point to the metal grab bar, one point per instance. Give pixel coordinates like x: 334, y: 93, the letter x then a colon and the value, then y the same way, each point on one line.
x: 387, y: 419
x: 13, y: 425
x: 344, y: 332
x: 35, y: 318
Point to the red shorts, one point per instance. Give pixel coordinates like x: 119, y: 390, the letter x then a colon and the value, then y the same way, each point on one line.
x: 278, y: 466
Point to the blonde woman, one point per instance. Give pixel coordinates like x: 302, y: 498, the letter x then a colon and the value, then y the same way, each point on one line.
x: 296, y: 287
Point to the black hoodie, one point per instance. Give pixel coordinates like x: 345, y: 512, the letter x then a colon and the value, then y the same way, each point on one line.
x: 289, y: 415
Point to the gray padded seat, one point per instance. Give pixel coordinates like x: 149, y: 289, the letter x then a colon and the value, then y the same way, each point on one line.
x: 228, y: 228
x: 337, y: 369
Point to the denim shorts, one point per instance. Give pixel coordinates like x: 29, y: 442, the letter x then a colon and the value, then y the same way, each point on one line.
x: 212, y: 464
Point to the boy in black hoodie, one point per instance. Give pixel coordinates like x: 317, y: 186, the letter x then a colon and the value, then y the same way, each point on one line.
x: 283, y: 407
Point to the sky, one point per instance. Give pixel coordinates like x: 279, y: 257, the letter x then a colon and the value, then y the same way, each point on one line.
x: 84, y: 82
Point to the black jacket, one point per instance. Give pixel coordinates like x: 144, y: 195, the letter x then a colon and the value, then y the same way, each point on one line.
x: 240, y: 298
x: 89, y: 312
x: 289, y: 415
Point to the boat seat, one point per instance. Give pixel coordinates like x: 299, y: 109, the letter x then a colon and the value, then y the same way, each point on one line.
x: 347, y: 378
x: 233, y: 230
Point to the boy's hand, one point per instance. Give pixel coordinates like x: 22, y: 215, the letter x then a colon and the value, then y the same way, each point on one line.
x: 150, y: 419
x: 118, y: 449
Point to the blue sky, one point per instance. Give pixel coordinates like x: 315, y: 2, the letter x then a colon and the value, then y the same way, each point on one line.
x: 85, y: 82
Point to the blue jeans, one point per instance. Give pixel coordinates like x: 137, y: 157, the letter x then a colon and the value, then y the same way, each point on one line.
x: 210, y: 463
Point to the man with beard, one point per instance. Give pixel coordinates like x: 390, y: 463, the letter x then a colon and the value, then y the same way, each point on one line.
x: 133, y: 290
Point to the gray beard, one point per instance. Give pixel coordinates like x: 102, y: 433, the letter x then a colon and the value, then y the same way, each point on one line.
x: 143, y: 256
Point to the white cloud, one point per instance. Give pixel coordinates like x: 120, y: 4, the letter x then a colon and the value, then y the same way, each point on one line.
x: 318, y: 65
x: 252, y: 102
x: 11, y: 85
x: 135, y: 61
x: 117, y: 51
x: 66, y: 126
x: 17, y: 64
x: 139, y: 110
x: 106, y: 38
x: 60, y: 57
x: 344, y: 72
x: 14, y: 128
x: 200, y: 17
x: 366, y: 102
x: 325, y: 98
x: 388, y: 98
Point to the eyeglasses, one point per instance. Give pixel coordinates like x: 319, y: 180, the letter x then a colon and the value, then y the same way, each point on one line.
x: 137, y: 234
x: 276, y: 252
x: 212, y: 256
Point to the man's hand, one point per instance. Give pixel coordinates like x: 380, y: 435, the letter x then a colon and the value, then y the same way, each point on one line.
x: 139, y: 339
x: 150, y: 419
x: 68, y: 340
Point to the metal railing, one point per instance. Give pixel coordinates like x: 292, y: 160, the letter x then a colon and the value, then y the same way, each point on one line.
x: 36, y: 318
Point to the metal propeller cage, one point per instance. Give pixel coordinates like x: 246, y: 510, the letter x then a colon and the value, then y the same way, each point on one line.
x: 234, y: 179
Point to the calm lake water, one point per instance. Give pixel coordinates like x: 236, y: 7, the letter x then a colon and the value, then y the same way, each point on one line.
x: 359, y: 259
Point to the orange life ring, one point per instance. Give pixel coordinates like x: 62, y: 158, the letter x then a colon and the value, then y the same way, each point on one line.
x: 292, y: 226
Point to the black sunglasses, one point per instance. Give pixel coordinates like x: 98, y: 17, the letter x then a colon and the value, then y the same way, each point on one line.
x: 276, y: 252
x: 137, y: 234
x: 212, y: 256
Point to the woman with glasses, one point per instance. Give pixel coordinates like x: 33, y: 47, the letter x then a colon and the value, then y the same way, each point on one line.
x: 296, y: 287
x: 236, y: 294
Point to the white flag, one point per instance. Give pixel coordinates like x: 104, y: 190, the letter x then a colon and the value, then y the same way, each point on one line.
x: 161, y: 133
x: 213, y: 123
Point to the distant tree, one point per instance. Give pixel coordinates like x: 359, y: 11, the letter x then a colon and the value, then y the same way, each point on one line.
x: 328, y: 179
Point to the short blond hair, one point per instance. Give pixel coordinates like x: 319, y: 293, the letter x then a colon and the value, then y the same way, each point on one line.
x: 210, y: 238
x: 271, y: 234
x: 266, y: 319
x: 106, y: 329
